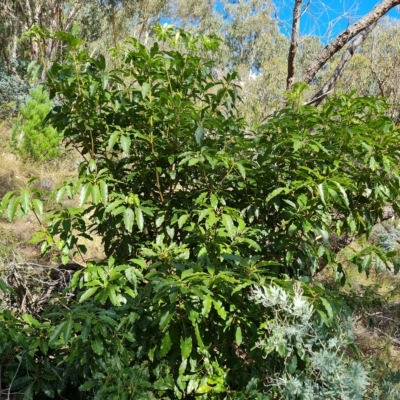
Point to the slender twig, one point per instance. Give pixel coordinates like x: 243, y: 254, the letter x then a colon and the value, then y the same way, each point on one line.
x: 388, y: 336
x: 12, y: 381
x: 337, y: 73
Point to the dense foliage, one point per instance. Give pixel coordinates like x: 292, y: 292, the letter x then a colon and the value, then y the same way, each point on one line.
x: 13, y: 89
x: 212, y: 233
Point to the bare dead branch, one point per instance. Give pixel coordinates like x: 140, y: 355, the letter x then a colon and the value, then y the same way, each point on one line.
x: 337, y: 44
x: 381, y: 82
x: 314, y: 99
x: 72, y: 15
x: 347, y: 56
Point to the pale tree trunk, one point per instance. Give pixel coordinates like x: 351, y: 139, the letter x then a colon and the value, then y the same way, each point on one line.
x: 45, y: 13
x: 14, y: 46
x: 294, y: 43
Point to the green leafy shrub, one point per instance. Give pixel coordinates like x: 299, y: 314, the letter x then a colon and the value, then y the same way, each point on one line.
x: 195, y: 212
x: 31, y: 137
x: 279, y: 193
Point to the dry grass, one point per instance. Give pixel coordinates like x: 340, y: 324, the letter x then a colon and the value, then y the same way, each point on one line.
x: 15, y: 174
x: 378, y: 320
x: 378, y: 349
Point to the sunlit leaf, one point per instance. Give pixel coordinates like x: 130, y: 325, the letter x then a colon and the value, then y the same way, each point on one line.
x: 129, y: 218
x: 186, y: 346
x: 145, y: 89
x: 323, y: 192
x: 228, y: 223
x: 139, y: 218
x: 166, y: 344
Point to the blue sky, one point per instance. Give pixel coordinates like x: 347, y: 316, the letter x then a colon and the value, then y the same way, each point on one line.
x: 325, y: 18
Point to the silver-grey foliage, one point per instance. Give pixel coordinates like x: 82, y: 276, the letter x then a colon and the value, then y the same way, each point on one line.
x: 296, y: 335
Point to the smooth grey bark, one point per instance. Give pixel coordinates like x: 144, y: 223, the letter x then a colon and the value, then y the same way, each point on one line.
x: 294, y: 43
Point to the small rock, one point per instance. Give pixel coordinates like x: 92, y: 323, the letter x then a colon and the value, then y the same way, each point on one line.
x: 45, y: 184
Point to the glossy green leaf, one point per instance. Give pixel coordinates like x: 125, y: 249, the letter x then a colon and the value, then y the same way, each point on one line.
x: 38, y: 206
x: 12, y: 208
x: 214, y: 201
x: 207, y: 303
x: 327, y: 307
x: 113, y: 139
x: 277, y: 192
x: 192, y: 385
x: 182, y: 220
x: 204, y: 389
x: 219, y: 308
x: 343, y: 194
x: 199, y: 339
x: 166, y: 344
x: 104, y: 80
x: 119, y: 210
x: 160, y: 220
x: 129, y: 218
x: 25, y: 201
x: 95, y: 194
x: 166, y: 316
x: 238, y: 335
x: 30, y: 320
x: 103, y: 192
x: 125, y: 143
x: 297, y: 144
x: 199, y: 135
x: 396, y: 265
x: 228, y: 223
x: 145, y: 89
x: 87, y: 385
x: 67, y: 331
x: 85, y: 191
x: 97, y: 346
x: 323, y: 192
x: 139, y: 218
x: 186, y: 346
x: 87, y: 294
x: 5, y: 201
x: 56, y: 333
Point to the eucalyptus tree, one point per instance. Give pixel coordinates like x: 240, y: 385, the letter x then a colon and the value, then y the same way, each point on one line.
x: 98, y: 22
x: 352, y: 37
x: 19, y: 16
x: 375, y: 70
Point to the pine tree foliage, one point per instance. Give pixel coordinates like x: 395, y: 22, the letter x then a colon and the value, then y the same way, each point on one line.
x: 31, y: 137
